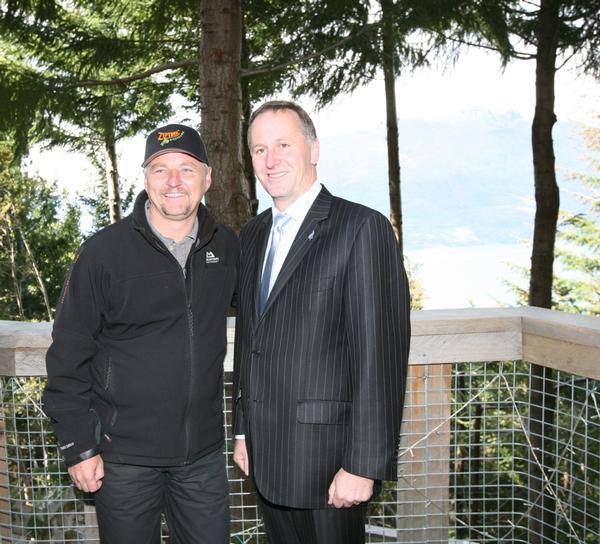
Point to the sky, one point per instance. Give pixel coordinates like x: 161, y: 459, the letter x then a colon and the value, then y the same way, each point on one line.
x: 466, y: 167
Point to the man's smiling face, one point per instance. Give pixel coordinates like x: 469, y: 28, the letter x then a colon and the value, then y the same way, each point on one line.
x: 175, y: 183
x: 284, y: 160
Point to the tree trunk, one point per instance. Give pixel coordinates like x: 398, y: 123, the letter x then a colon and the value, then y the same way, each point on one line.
x: 36, y: 272
x: 8, y: 233
x: 246, y: 112
x: 220, y: 58
x: 542, y: 397
x: 389, y: 76
x: 111, y: 167
x: 112, y: 182
x: 546, y: 189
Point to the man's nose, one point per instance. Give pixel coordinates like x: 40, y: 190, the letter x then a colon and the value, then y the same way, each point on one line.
x: 174, y: 178
x: 271, y: 159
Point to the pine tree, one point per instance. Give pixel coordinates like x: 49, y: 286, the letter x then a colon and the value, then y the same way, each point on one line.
x: 577, y: 287
x: 38, y: 239
x: 56, y: 57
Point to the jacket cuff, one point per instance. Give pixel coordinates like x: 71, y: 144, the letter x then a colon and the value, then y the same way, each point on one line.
x: 83, y: 456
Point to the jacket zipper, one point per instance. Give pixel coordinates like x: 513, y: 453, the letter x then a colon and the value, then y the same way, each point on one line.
x: 186, y: 278
x: 188, y: 286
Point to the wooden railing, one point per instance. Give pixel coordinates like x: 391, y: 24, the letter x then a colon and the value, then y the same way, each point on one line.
x: 568, y: 342
x: 422, y: 503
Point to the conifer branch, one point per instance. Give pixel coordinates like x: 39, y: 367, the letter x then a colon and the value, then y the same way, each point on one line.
x: 262, y: 69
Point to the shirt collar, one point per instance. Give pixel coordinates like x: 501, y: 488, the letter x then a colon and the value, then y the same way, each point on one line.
x: 298, y: 209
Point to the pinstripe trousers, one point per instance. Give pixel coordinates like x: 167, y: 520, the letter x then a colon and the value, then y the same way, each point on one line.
x: 313, y: 526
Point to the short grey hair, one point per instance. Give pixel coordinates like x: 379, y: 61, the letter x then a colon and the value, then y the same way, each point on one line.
x: 308, y: 127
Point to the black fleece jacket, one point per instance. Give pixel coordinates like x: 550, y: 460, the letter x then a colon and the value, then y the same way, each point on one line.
x: 135, y: 368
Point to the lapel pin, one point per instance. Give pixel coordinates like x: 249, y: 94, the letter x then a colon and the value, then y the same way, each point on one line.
x: 311, y: 235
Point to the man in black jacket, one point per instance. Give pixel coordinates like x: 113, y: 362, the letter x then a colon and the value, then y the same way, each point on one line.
x: 136, y: 364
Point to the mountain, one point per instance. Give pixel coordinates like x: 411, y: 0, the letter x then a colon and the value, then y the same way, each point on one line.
x: 465, y: 181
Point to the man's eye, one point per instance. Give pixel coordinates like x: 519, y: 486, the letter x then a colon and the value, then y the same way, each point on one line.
x: 259, y: 151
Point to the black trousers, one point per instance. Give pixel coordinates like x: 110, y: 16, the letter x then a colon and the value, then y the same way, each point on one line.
x: 313, y: 526
x: 194, y: 498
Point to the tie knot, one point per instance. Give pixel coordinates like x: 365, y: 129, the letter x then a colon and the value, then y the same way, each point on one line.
x: 280, y: 221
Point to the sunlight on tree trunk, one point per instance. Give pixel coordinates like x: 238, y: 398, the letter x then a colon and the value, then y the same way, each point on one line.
x: 221, y: 110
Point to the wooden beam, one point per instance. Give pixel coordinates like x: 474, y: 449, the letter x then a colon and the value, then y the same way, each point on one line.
x: 568, y: 342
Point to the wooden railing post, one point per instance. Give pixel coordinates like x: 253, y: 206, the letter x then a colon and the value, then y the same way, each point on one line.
x: 5, y: 522
x: 424, y: 467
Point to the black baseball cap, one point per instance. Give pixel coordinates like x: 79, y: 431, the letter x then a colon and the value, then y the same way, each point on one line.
x: 172, y: 138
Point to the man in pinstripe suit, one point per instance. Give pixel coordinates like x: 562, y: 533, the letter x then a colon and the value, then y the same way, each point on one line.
x: 322, y: 343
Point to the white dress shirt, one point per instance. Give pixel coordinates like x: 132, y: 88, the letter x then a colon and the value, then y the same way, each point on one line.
x: 297, y: 210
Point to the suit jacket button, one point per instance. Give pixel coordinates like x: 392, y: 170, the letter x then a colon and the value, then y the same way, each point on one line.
x: 256, y: 352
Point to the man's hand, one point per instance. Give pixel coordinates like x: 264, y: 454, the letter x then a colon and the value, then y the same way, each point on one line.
x: 87, y: 475
x: 348, y: 490
x: 240, y: 455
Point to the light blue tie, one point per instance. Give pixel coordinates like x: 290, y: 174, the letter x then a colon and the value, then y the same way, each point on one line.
x: 279, y: 222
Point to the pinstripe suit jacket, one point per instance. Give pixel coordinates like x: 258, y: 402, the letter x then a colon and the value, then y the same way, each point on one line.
x: 320, y: 378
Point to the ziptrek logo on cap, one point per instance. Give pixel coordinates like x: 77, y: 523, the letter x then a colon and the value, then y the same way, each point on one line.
x: 166, y: 137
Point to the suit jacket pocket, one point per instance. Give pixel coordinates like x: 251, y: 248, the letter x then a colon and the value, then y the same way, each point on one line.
x: 324, y: 283
x: 323, y: 412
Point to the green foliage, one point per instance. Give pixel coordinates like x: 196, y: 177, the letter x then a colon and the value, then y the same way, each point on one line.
x: 491, y: 452
x: 66, y: 52
x: 417, y: 291
x: 577, y: 289
x: 511, y: 28
x: 32, y: 214
x: 327, y: 48
x: 576, y: 283
x: 96, y: 201
x: 62, y: 67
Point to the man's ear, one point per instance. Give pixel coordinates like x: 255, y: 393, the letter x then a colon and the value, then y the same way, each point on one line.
x: 208, y: 178
x: 314, y: 152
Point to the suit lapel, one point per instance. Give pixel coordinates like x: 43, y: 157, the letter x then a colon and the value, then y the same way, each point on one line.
x: 308, y: 234
x: 262, y: 238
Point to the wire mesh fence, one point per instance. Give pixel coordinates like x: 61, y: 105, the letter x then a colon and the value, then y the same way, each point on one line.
x: 474, y: 465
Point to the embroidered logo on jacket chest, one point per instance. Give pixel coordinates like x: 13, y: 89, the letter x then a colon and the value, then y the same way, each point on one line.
x: 210, y: 258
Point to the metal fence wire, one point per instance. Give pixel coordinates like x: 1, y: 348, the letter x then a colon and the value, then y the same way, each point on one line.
x: 473, y: 465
